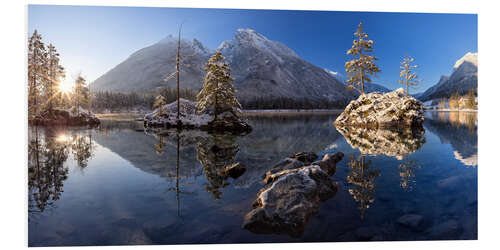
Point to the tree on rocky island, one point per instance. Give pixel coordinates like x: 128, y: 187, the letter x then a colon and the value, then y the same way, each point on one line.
x: 81, y: 93
x: 37, y: 72
x: 55, y: 73
x: 218, y: 91
x: 408, y: 77
x: 359, y: 69
x: 159, y: 103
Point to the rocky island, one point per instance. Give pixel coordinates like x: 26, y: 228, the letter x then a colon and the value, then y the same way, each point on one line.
x: 393, y: 109
x: 189, y: 118
x: 65, y: 117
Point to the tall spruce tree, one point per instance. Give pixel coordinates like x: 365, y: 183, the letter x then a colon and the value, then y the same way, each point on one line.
x: 37, y: 72
x: 408, y: 77
x: 218, y: 90
x: 54, y: 72
x: 362, y: 66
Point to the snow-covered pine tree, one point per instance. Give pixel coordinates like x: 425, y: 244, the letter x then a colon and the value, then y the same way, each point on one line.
x: 408, y: 77
x: 218, y: 90
x: 54, y: 72
x: 80, y: 93
x: 359, y: 69
x: 37, y: 72
x: 159, y: 103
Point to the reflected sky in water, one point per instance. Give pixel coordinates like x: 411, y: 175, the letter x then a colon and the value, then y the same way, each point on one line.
x: 120, y: 185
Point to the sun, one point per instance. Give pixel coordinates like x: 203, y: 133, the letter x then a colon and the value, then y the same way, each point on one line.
x: 66, y: 86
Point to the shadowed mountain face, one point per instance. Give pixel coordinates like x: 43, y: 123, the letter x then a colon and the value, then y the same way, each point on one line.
x: 265, y: 68
x: 261, y: 68
x: 463, y: 78
x: 458, y: 129
x: 145, y: 69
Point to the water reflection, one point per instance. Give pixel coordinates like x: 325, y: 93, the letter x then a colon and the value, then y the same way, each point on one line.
x: 48, y: 150
x: 216, y: 153
x: 459, y: 129
x: 362, y: 179
x: 407, y: 173
x: 395, y: 143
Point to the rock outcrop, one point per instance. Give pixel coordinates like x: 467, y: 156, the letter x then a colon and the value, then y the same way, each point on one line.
x: 190, y: 119
x: 393, y: 109
x: 379, y: 141
x: 292, y: 195
x: 66, y: 118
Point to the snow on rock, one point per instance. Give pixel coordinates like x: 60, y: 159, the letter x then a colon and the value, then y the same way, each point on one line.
x: 377, y: 141
x: 190, y: 118
x: 393, y: 109
x: 292, y: 196
x: 168, y: 117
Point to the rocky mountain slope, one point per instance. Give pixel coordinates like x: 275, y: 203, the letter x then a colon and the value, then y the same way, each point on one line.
x: 145, y: 69
x: 463, y: 78
x: 262, y: 68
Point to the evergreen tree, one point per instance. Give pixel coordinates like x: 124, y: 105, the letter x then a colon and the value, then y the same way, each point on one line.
x: 37, y: 72
x: 408, y: 77
x: 54, y: 72
x: 471, y: 99
x: 218, y: 90
x: 359, y: 69
x: 159, y: 103
x: 80, y: 93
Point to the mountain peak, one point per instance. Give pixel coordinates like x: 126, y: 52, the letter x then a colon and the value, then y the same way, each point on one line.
x: 469, y: 57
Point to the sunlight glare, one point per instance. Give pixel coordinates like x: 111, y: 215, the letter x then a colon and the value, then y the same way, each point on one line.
x: 63, y: 138
x: 66, y: 86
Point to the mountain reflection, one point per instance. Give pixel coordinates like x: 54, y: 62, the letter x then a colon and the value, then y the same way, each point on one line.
x: 458, y: 129
x: 48, y: 150
x: 394, y: 143
x: 362, y: 179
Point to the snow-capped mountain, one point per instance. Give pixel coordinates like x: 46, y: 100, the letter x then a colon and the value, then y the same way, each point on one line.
x: 145, y: 69
x: 262, y: 69
x: 265, y: 68
x: 463, y: 78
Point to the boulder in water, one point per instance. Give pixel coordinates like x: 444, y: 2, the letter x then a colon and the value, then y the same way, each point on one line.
x: 393, y: 109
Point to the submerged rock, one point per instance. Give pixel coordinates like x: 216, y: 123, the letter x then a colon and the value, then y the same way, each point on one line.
x: 292, y: 196
x: 73, y: 117
x: 189, y: 118
x: 412, y: 221
x: 393, y: 109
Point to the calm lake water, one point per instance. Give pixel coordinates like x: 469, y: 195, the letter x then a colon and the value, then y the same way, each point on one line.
x: 120, y: 185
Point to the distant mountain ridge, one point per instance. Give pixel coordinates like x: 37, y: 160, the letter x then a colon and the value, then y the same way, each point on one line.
x: 262, y: 69
x: 369, y: 87
x: 463, y: 78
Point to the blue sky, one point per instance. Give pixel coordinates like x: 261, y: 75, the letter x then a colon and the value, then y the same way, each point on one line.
x: 93, y: 39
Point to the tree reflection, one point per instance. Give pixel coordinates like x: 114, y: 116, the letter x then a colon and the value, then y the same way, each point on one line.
x: 48, y: 150
x: 407, y: 173
x: 82, y: 148
x: 362, y: 178
x: 216, y: 152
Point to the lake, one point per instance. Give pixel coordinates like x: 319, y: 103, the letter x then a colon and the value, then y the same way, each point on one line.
x: 121, y: 185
